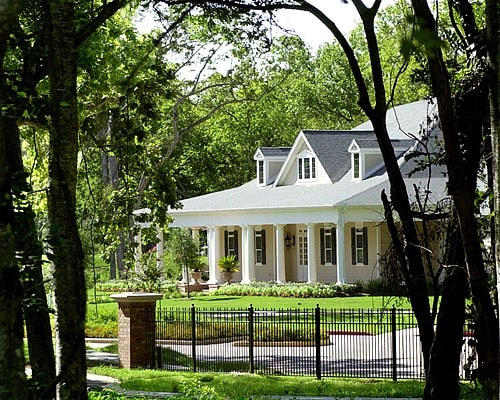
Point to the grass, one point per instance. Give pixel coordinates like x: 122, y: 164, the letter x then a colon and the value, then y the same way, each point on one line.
x: 102, y: 317
x: 242, y: 386
x: 213, y: 301
x: 245, y: 385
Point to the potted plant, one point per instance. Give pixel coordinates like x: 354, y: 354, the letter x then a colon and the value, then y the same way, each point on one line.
x: 228, y: 265
x: 196, y: 273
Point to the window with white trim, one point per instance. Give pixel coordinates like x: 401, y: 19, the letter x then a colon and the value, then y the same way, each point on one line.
x: 260, y: 247
x: 231, y: 243
x: 260, y: 171
x: 328, y: 243
x: 355, y: 166
x: 306, y: 167
x: 359, y: 245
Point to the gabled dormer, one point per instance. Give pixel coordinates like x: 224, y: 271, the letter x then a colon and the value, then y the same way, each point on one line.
x: 366, y: 157
x: 269, y: 161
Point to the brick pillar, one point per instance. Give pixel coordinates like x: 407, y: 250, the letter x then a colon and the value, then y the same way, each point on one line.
x: 136, y: 329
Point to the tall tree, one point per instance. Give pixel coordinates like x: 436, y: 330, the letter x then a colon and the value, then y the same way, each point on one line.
x: 65, y: 245
x: 463, y: 170
x: 460, y: 165
x: 12, y: 375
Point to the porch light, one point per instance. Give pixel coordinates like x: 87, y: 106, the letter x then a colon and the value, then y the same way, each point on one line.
x: 288, y: 240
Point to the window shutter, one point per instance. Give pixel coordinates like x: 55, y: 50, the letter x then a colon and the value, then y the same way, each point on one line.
x: 353, y: 245
x: 236, y: 244
x: 226, y: 243
x: 365, y: 245
x: 322, y: 244
x: 263, y: 238
x: 334, y: 245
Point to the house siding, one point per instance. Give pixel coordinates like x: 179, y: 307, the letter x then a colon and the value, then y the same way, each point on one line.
x: 371, y: 161
x: 267, y: 272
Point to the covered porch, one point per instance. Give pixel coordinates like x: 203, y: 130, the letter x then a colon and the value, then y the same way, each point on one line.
x: 341, y: 252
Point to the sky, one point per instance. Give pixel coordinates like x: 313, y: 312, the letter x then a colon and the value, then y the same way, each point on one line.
x: 302, y: 23
x: 314, y: 32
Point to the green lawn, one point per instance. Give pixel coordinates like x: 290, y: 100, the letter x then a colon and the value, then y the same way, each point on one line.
x: 239, y: 302
x: 243, y: 386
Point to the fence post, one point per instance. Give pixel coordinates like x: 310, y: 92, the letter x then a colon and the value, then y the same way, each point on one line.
x: 136, y: 329
x: 250, y: 338
x: 317, y: 327
x: 193, y: 336
x: 394, y: 344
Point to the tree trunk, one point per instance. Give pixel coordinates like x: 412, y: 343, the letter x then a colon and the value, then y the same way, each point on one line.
x: 487, y: 332
x: 13, y: 384
x: 415, y: 276
x: 29, y: 247
x: 493, y: 47
x: 12, y: 376
x: 443, y: 380
x: 64, y: 241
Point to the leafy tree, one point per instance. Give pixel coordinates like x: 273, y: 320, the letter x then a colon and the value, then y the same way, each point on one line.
x: 13, y: 379
x: 185, y: 250
x: 42, y: 44
x: 460, y: 166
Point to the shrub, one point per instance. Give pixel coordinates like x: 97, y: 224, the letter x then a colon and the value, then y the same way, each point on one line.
x: 101, y: 325
x: 168, y: 288
x: 299, y: 290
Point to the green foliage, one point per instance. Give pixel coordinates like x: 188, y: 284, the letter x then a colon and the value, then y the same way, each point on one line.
x: 147, y: 275
x: 245, y: 386
x: 193, y: 389
x: 302, y: 290
x: 184, y: 249
x: 228, y: 264
x: 102, y: 323
x: 109, y: 394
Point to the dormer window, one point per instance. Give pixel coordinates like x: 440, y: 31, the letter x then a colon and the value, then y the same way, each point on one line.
x: 269, y: 163
x: 355, y: 166
x: 306, y: 163
x: 260, y: 171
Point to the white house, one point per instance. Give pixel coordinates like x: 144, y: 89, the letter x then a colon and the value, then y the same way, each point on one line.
x: 313, y: 213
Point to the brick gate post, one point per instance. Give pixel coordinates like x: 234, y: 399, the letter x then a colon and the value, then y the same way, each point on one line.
x: 136, y: 328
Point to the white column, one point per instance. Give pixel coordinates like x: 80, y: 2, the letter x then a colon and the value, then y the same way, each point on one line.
x: 340, y: 252
x: 245, y: 255
x: 312, y: 275
x: 280, y: 254
x: 213, y: 237
x: 251, y: 253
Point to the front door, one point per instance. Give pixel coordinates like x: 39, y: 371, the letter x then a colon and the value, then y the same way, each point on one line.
x: 302, y: 255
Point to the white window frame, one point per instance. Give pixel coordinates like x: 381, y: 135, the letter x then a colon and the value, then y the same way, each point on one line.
x: 260, y: 172
x: 356, y: 166
x: 306, y: 167
x: 359, y: 246
x: 231, y: 243
x: 328, y: 233
x: 259, y: 248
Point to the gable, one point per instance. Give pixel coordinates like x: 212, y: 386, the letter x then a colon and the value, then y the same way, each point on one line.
x: 332, y: 149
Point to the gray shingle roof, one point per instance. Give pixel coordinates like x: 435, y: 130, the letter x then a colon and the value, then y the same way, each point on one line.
x: 331, y: 147
x: 275, y: 151
x: 406, y: 119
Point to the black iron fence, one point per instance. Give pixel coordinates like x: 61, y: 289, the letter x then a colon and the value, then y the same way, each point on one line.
x: 321, y: 342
